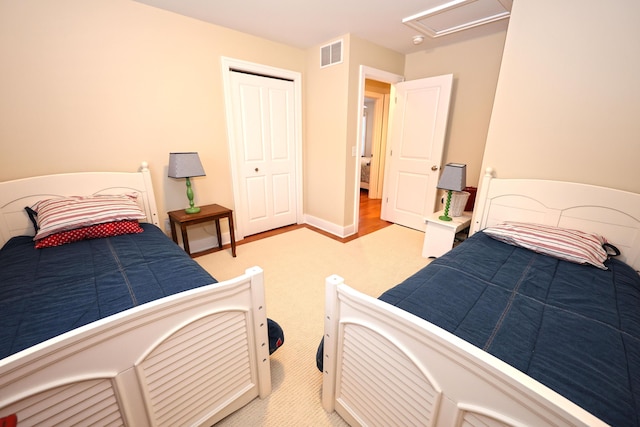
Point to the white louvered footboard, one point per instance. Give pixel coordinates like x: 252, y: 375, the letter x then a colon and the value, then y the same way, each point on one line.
x: 384, y: 387
x: 384, y: 366
x: 183, y: 374
x: 88, y: 402
x: 188, y: 359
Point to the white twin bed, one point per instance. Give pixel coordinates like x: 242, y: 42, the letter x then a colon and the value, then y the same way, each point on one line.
x: 186, y: 359
x: 385, y: 366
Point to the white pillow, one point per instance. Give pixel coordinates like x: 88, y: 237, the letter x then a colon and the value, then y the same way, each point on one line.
x: 68, y: 213
x: 570, y: 245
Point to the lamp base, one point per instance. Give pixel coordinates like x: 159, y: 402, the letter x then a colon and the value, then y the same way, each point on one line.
x: 191, y: 209
x: 446, y: 216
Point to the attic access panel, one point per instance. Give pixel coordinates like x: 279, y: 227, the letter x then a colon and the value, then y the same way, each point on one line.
x: 457, y: 15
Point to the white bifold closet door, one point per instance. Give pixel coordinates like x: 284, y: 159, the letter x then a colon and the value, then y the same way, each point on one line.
x: 265, y: 151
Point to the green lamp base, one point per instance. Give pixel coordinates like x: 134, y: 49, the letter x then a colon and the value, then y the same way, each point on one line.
x: 191, y: 209
x: 446, y: 216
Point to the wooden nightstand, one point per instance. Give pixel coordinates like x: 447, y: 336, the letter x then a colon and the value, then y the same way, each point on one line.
x: 207, y: 213
x: 439, y: 235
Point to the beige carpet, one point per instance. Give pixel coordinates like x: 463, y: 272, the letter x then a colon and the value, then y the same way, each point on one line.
x: 295, y: 265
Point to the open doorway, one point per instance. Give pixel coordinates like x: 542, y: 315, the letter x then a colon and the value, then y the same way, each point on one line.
x: 374, y: 124
x: 419, y: 112
x: 375, y: 120
x: 375, y: 88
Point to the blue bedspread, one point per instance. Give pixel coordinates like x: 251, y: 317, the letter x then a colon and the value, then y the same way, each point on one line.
x: 572, y: 327
x: 46, y: 292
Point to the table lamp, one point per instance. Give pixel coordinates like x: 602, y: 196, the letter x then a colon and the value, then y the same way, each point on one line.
x: 186, y: 165
x: 453, y: 178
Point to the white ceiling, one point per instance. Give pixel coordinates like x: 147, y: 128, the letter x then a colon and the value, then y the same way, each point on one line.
x: 305, y: 23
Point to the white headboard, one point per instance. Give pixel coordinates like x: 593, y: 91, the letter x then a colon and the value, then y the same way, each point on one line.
x: 15, y: 195
x: 614, y: 214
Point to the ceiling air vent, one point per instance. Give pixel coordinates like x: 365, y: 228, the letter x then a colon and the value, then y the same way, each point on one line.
x: 331, y: 54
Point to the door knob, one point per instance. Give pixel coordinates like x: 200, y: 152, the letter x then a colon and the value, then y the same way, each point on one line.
x: 434, y: 168
x: 257, y: 169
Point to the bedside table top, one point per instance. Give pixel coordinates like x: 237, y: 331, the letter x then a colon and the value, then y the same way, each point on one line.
x: 206, y: 211
x: 457, y: 222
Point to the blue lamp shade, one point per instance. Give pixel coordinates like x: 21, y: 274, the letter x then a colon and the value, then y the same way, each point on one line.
x: 186, y: 165
x: 453, y: 178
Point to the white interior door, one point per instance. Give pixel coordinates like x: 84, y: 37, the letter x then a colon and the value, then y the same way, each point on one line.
x: 419, y: 114
x: 265, y: 150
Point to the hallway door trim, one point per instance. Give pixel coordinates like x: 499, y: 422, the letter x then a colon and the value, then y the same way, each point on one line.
x: 381, y: 76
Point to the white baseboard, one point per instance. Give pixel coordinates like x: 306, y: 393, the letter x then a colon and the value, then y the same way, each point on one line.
x: 204, y: 243
x: 329, y: 227
x: 201, y: 239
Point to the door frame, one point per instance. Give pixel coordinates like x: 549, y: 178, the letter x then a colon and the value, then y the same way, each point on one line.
x: 229, y: 64
x: 381, y: 76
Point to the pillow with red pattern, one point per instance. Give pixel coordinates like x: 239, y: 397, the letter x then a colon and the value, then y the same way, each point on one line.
x: 68, y: 213
x: 96, y: 231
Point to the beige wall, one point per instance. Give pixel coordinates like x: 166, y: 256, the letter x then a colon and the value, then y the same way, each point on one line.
x: 325, y: 101
x: 102, y: 85
x: 105, y: 84
x: 332, y: 120
x: 332, y: 115
x: 568, y: 97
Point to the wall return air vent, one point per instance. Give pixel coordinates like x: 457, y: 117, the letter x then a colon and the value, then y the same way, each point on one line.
x: 457, y: 15
x: 331, y: 54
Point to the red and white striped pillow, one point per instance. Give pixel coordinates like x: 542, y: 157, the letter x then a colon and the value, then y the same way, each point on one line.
x: 68, y: 213
x: 570, y: 245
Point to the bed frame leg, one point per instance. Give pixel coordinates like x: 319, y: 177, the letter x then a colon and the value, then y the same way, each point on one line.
x: 261, y: 329
x: 330, y: 341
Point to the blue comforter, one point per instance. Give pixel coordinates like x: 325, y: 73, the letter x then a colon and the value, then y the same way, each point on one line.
x: 46, y: 292
x: 572, y: 327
